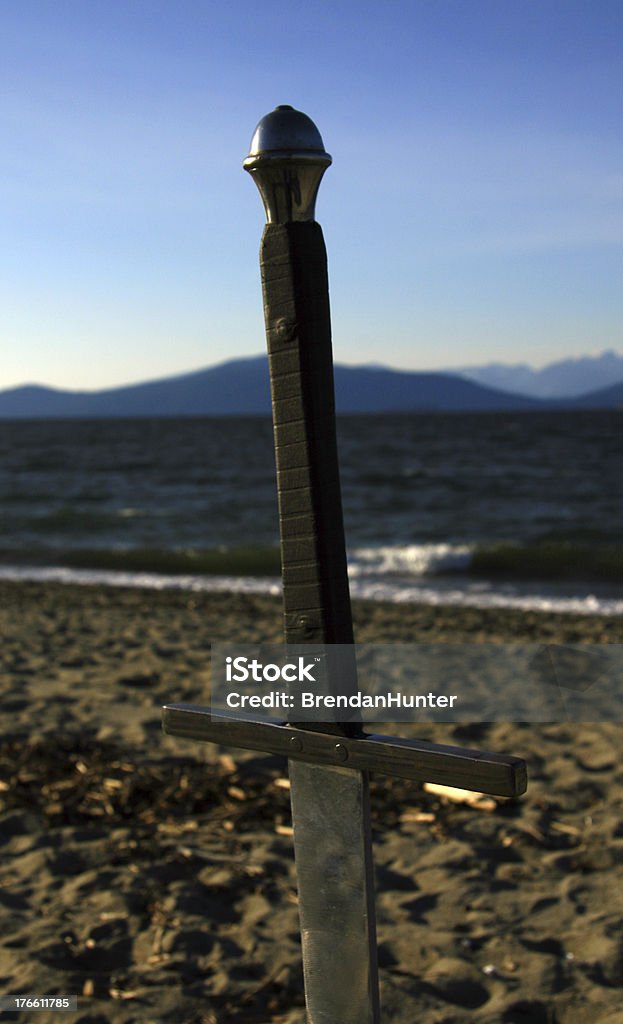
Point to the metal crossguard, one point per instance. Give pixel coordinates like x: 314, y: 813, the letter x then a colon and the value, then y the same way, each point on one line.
x: 417, y: 760
x: 329, y: 764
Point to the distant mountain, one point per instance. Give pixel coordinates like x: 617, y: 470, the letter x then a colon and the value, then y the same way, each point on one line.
x: 567, y: 378
x: 380, y: 389
x: 241, y: 387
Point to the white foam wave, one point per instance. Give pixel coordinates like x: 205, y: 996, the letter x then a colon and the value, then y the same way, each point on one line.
x: 396, y: 592
x: 409, y: 560
x: 148, y: 580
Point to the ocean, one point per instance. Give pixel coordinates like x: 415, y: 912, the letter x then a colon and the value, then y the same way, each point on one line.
x: 493, y: 509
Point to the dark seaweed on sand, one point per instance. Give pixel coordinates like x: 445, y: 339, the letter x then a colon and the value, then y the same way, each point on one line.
x: 73, y: 779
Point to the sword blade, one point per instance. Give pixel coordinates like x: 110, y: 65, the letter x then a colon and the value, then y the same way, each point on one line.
x: 333, y: 852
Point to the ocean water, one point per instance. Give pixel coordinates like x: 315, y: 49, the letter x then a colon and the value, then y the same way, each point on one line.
x: 522, y: 510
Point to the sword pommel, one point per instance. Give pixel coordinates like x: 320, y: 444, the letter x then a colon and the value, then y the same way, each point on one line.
x: 287, y: 159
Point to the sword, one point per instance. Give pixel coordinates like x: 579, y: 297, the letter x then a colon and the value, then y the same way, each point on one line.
x: 330, y: 805
x: 329, y: 763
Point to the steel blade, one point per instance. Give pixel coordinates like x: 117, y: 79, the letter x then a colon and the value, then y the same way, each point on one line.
x: 333, y: 851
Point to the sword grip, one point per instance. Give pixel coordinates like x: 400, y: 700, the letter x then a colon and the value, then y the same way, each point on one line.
x: 298, y: 330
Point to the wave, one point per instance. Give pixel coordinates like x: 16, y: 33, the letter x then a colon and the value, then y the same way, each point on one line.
x: 542, y: 560
x: 539, y: 561
x: 407, y: 592
x: 249, y: 560
x: 410, y: 560
x: 547, y: 576
x: 545, y: 560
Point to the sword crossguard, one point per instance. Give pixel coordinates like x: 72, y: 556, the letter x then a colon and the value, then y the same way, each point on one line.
x: 419, y: 760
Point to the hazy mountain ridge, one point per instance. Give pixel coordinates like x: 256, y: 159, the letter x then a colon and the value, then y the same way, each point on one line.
x: 241, y: 387
x: 566, y: 378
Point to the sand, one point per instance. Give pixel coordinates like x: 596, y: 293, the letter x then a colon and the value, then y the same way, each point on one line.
x: 154, y: 878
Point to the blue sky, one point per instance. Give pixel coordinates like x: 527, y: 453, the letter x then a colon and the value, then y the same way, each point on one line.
x: 473, y: 212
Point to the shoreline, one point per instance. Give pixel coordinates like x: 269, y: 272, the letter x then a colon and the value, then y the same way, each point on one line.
x: 256, y: 617
x: 444, y: 591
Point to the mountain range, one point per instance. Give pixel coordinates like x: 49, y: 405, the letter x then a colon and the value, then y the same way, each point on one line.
x: 241, y: 387
x: 566, y: 378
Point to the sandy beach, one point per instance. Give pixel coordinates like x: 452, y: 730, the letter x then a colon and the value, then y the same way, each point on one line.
x: 154, y: 878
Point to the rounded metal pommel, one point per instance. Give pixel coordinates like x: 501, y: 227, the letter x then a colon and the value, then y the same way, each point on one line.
x: 287, y: 160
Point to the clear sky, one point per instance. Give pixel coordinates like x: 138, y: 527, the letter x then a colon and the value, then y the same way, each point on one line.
x: 473, y: 212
